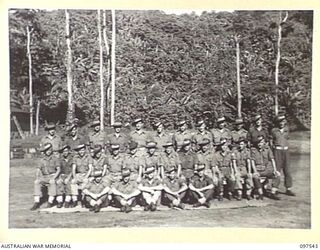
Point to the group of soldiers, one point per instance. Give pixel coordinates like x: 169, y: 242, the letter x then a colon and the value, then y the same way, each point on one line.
x: 149, y: 168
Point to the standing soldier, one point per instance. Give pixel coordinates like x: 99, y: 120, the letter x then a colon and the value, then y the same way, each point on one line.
x: 263, y: 165
x: 96, y: 193
x: 96, y: 136
x: 174, y: 188
x: 169, y: 158
x: 81, y: 171
x: 125, y: 191
x: 140, y: 136
x: 188, y: 160
x: 64, y: 181
x: 201, y: 187
x: 225, y: 169
x: 46, y: 175
x: 52, y: 138
x: 280, y: 136
x: 151, y: 188
x: 117, y: 137
x: 161, y: 137
x: 152, y: 158
x: 114, y: 163
x: 74, y: 138
x: 256, y: 130
x: 201, y: 134
x: 221, y: 131
x: 239, y: 131
x: 242, y: 162
x: 134, y: 162
x: 181, y: 135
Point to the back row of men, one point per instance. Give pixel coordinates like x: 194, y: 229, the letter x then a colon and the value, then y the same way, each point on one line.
x: 184, y: 167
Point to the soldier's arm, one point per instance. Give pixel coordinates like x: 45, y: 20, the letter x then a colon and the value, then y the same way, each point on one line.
x: 92, y: 195
x: 117, y: 192
x: 103, y: 192
x: 104, y: 170
x: 249, y: 168
x: 74, y: 167
x: 210, y: 186
x: 133, y: 194
x: 183, y: 188
x: 89, y: 171
x: 38, y: 173
x: 145, y: 189
x: 57, y: 173
x: 158, y: 187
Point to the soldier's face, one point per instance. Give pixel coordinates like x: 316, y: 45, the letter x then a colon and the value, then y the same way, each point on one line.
x: 65, y: 152
x: 205, y: 148
x: 117, y: 129
x: 201, y: 173
x: 98, y: 179
x: 260, y: 144
x: 172, y: 175
x: 74, y: 131
x: 48, y: 152
x: 115, y: 152
x: 98, y: 154
x: 82, y: 152
x: 258, y: 122
x: 221, y: 125
x: 160, y: 128
x: 52, y: 132
x: 187, y: 147
x: 202, y: 127
x: 183, y: 127
x: 139, y: 125
x: 282, y: 124
x: 133, y: 151
x: 150, y: 175
x: 168, y: 150
x: 242, y: 145
x: 151, y: 150
x: 224, y: 148
x: 126, y: 178
x: 96, y: 128
x: 239, y: 126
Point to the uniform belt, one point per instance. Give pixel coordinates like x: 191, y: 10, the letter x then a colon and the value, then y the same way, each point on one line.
x: 281, y: 148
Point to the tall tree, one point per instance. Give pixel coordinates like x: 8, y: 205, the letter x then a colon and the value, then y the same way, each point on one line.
x: 101, y: 73
x: 30, y: 79
x: 238, y: 76
x: 113, y: 66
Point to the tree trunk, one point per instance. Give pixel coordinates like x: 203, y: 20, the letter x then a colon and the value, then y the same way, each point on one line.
x: 70, y: 114
x: 101, y: 74
x: 113, y: 65
x: 276, y: 104
x: 30, y: 81
x: 37, y: 117
x: 106, y: 44
x: 238, y: 77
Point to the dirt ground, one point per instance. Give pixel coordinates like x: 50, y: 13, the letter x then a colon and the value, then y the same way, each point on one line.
x: 290, y: 212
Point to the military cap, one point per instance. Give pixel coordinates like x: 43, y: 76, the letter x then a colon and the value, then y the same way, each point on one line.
x: 97, y: 148
x: 257, y: 117
x: 46, y: 147
x: 50, y: 126
x: 149, y: 169
x: 95, y: 123
x: 200, y: 167
x: 157, y: 124
x: 151, y: 144
x: 64, y: 147
x: 133, y: 145
x: 205, y: 141
x: 115, y: 146
x: 260, y: 138
x: 182, y: 122
x: 79, y: 147
x: 117, y: 124
x: 238, y: 121
x: 222, y: 142
x: 221, y: 119
x: 135, y: 121
x: 280, y: 118
x: 167, y: 144
x: 199, y: 123
x: 125, y: 172
x: 186, y: 142
x: 171, y: 169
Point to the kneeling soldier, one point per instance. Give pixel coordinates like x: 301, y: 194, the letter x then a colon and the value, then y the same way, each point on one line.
x: 174, y: 188
x: 64, y: 180
x: 242, y: 164
x: 201, y: 187
x: 263, y: 165
x: 96, y: 193
x: 46, y: 175
x: 151, y: 188
x: 81, y: 170
x: 125, y: 191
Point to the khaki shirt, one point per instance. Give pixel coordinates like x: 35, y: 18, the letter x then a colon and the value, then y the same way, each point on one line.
x: 169, y: 160
x: 55, y: 141
x: 140, y: 138
x: 114, y: 164
x: 96, y: 138
x: 188, y: 160
x: 223, y: 159
x: 152, y: 160
x: 198, y: 182
x: 162, y: 139
x: 254, y: 133
x: 262, y: 158
x: 66, y: 165
x: 207, y: 158
x: 280, y: 137
x: 49, y: 164
x: 150, y: 183
x: 126, y: 188
x: 175, y: 184
x: 217, y: 134
x: 198, y: 137
x: 95, y: 187
x: 179, y: 137
x: 98, y: 163
x: 237, y: 134
x: 82, y: 163
x: 241, y: 157
x: 120, y: 139
x: 133, y: 162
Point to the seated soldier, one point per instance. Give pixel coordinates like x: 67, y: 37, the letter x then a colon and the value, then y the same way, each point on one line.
x: 224, y: 169
x: 133, y: 162
x: 169, y: 158
x: 46, y: 175
x: 174, y: 188
x: 201, y: 187
x: 114, y: 163
x: 152, y: 157
x: 151, y: 188
x: 99, y: 166
x: 81, y: 170
x: 263, y: 165
x: 64, y: 180
x: 125, y: 191
x: 96, y: 193
x: 242, y: 163
x: 188, y: 160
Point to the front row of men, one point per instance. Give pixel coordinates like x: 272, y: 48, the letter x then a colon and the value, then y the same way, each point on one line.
x: 170, y: 178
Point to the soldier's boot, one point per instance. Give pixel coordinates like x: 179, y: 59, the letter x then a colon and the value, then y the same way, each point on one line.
x: 60, y: 205
x: 198, y: 204
x: 170, y: 205
x: 91, y: 209
x: 207, y: 204
x: 229, y: 196
x: 67, y: 204
x: 239, y: 195
x: 146, y: 208
x: 128, y: 209
x: 248, y: 195
x: 220, y: 197
x: 274, y: 196
x: 181, y: 205
x: 290, y: 193
x: 49, y: 205
x: 122, y: 208
x: 35, y: 206
x: 97, y: 208
x: 153, y: 207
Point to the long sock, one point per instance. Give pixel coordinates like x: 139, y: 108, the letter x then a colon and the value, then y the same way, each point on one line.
x: 60, y: 199
x: 51, y: 199
x: 68, y: 198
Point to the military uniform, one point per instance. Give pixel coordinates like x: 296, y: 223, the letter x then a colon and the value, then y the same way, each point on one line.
x: 55, y: 141
x: 152, y: 160
x: 173, y: 185
x: 96, y: 138
x: 208, y: 159
x: 117, y: 138
x: 64, y: 181
x: 126, y: 188
x: 237, y: 134
x: 141, y: 138
x: 162, y: 139
x: 188, y: 160
x: 168, y: 160
x: 254, y: 133
x: 217, y: 134
x: 200, y: 136
x: 179, y: 137
x: 114, y: 166
x: 73, y: 142
x: 280, y: 139
x: 201, y: 182
x: 133, y: 162
x: 98, y: 165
